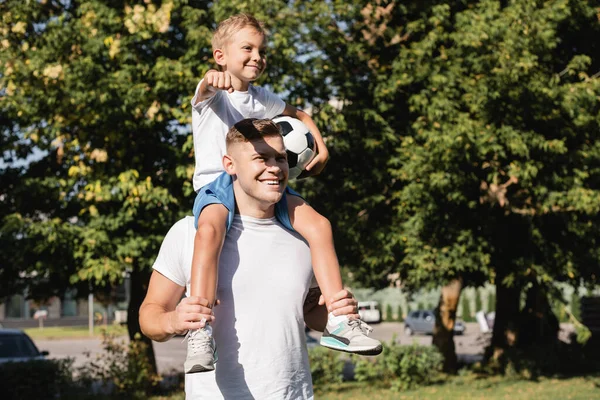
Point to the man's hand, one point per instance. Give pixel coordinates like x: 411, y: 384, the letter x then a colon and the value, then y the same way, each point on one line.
x: 218, y: 80
x: 342, y: 303
x: 191, y: 313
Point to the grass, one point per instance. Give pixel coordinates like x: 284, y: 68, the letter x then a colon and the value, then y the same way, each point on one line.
x: 73, y: 332
x: 467, y: 387
x: 471, y: 387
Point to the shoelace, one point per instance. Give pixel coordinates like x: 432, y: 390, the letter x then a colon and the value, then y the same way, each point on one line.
x: 363, y: 326
x: 198, y: 340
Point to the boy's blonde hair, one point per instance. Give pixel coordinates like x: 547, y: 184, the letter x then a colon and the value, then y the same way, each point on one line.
x: 227, y: 28
x: 250, y: 129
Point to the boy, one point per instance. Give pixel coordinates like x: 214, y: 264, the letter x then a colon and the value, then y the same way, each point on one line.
x: 222, y: 99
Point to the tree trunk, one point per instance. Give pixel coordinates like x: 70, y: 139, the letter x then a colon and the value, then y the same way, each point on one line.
x: 445, y: 317
x: 539, y: 326
x: 505, y: 332
x: 139, y: 285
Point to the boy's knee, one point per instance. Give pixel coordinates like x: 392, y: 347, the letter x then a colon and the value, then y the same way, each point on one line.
x: 319, y: 225
x: 208, y: 231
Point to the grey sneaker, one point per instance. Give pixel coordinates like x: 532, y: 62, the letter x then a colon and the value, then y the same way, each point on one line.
x: 201, y: 352
x: 351, y: 336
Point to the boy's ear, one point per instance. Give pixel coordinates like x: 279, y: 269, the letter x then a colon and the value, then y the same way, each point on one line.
x: 219, y: 56
x: 229, y: 164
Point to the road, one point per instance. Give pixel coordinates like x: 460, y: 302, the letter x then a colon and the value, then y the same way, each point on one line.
x: 170, y: 355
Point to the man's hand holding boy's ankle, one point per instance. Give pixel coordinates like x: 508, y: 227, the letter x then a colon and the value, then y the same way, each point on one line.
x: 342, y: 303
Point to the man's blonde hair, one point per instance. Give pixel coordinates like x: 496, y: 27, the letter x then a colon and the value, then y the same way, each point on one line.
x: 227, y: 28
x: 250, y: 129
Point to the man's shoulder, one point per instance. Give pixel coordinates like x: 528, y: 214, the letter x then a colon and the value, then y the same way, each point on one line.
x: 183, y: 226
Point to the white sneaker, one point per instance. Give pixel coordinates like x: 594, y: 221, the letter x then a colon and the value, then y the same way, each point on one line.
x: 351, y: 336
x: 201, y: 351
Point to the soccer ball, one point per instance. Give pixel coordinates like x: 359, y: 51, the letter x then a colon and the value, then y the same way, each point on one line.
x: 299, y: 144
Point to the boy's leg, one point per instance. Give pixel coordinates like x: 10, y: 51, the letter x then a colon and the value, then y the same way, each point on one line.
x: 213, y: 213
x: 316, y: 229
x: 340, y: 333
x: 208, y: 243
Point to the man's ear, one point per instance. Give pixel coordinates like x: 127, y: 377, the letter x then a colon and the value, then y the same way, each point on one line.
x: 219, y: 56
x: 229, y: 164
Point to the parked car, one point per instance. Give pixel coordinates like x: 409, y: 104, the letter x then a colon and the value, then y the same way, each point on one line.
x: 16, y: 346
x: 369, y: 311
x: 423, y: 321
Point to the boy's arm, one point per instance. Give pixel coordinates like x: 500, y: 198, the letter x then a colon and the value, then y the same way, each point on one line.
x: 212, y: 81
x: 318, y: 163
x: 161, y: 317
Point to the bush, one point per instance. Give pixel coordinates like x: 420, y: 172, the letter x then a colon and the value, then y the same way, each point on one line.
x: 38, y: 379
x: 400, y: 314
x: 466, y: 310
x: 122, y: 370
x: 401, y: 367
x: 478, y: 302
x: 389, y: 314
x: 491, y: 302
x: 326, y: 366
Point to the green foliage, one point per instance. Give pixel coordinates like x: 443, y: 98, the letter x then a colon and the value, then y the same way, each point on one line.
x: 467, y: 316
x: 491, y: 301
x: 400, y: 367
x: 575, y: 305
x: 39, y: 379
x: 326, y: 366
x: 123, y: 369
x: 400, y: 313
x: 389, y: 314
x: 478, y: 302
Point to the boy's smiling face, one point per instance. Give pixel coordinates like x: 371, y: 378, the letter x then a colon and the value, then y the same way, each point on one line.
x: 243, y: 56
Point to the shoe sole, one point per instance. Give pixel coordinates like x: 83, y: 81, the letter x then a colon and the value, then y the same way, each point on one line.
x: 198, y: 368
x: 365, y: 351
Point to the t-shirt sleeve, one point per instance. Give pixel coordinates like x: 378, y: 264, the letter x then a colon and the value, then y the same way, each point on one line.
x: 170, y: 256
x: 274, y: 106
x: 203, y: 104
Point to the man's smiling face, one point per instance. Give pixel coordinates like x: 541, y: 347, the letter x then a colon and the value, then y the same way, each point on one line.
x: 261, y: 170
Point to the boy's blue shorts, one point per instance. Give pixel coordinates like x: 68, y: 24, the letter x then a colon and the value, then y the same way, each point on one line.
x: 220, y: 191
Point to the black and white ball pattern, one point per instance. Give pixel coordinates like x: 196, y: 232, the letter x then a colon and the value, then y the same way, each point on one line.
x: 299, y: 144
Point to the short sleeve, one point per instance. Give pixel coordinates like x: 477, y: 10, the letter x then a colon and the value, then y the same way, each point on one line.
x: 171, y: 254
x: 198, y: 107
x: 274, y: 106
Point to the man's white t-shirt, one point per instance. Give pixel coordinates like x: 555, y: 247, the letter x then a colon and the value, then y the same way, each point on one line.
x: 264, y: 275
x: 212, y: 118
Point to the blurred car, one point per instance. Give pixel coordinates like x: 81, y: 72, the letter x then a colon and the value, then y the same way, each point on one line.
x: 369, y: 311
x: 423, y: 321
x: 16, y: 346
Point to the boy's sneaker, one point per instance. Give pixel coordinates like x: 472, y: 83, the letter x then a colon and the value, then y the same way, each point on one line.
x: 201, y: 351
x: 351, y: 336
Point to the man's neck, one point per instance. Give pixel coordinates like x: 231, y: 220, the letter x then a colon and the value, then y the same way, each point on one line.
x: 250, y: 207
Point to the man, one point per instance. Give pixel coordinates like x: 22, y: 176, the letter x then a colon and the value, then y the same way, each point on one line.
x: 264, y: 277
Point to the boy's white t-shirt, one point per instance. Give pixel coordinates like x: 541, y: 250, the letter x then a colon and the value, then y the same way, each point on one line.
x: 212, y: 118
x: 264, y: 275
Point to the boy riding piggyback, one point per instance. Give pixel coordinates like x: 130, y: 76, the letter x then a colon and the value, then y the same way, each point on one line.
x: 224, y: 97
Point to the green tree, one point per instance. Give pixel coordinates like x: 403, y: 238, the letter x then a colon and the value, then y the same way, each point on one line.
x: 92, y: 94
x: 400, y: 313
x: 491, y: 301
x: 575, y: 305
x: 478, y: 302
x: 477, y: 124
x: 389, y: 314
x: 466, y: 309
